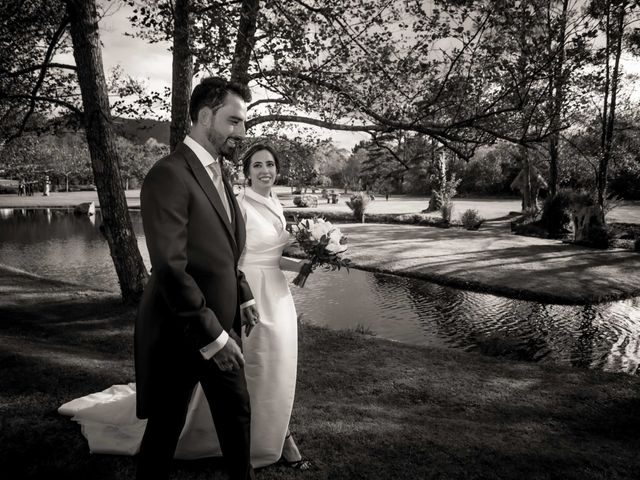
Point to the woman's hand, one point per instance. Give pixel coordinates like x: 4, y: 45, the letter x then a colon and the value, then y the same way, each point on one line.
x: 250, y: 318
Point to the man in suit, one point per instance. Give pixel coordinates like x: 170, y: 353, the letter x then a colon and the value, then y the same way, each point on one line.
x: 196, y: 301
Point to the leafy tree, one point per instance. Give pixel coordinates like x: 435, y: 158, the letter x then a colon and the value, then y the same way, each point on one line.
x: 365, y: 65
x: 569, y: 32
x: 34, y: 32
x: 614, y: 19
x: 329, y: 162
x: 398, y: 158
x: 137, y: 159
x: 483, y: 174
x: 66, y: 156
x: 351, y: 172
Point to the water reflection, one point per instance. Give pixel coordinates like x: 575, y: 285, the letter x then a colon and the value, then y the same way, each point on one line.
x: 58, y: 244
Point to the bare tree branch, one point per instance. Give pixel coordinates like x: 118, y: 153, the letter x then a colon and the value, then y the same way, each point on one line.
x: 268, y: 101
x: 390, y: 150
x: 52, y: 45
x: 17, y: 73
x: 313, y: 121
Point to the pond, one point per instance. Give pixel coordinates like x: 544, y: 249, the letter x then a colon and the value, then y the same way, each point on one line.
x: 57, y: 244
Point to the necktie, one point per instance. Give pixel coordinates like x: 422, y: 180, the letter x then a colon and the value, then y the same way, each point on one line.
x: 214, y: 168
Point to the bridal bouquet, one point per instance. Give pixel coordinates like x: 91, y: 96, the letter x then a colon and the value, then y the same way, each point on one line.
x: 323, y: 244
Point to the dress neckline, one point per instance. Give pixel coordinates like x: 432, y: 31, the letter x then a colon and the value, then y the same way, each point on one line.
x: 271, y: 203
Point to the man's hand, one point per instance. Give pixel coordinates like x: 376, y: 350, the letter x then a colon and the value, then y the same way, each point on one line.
x: 230, y: 357
x: 250, y: 318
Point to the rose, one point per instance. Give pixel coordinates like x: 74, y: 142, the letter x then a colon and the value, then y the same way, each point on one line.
x: 335, y: 236
x: 334, y: 247
x: 323, y: 244
x: 319, y: 229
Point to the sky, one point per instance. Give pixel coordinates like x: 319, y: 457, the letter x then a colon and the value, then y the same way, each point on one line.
x: 152, y: 64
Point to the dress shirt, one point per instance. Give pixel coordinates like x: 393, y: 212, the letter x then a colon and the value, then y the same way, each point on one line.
x: 213, y: 169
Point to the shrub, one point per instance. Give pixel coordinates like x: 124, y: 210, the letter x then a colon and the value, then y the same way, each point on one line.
x: 471, y: 219
x: 358, y: 204
x: 443, y: 189
x: 304, y: 201
x: 556, y: 213
x: 446, y: 210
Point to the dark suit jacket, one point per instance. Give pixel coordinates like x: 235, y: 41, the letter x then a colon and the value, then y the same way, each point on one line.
x: 194, y: 252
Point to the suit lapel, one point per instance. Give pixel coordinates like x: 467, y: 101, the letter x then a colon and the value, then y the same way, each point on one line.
x: 238, y: 221
x: 209, y: 188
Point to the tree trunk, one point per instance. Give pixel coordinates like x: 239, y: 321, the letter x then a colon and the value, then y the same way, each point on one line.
x: 245, y: 41
x: 105, y: 160
x: 182, y: 74
x: 608, y: 124
x: 527, y: 198
x: 527, y: 194
x: 557, y: 85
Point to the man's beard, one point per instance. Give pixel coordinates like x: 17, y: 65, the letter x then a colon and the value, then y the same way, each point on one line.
x: 225, y: 149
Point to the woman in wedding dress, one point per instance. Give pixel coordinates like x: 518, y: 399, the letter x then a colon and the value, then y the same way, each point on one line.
x: 108, y: 418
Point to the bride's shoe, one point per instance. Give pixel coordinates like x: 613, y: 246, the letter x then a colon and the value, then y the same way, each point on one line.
x: 290, y: 450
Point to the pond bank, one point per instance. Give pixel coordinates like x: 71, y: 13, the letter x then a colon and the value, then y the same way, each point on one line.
x: 495, y: 261
x: 490, y: 260
x: 365, y: 407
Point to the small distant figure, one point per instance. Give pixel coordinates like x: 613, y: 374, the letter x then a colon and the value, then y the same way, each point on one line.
x: 329, y: 196
x: 47, y: 186
x: 22, y: 189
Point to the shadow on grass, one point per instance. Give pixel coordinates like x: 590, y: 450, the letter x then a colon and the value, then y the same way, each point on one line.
x: 365, y: 409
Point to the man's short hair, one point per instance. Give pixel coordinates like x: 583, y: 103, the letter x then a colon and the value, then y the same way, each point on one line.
x: 211, y: 92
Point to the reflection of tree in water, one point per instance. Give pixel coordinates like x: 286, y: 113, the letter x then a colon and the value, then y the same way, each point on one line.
x: 33, y: 226
x: 623, y: 320
x: 489, y: 324
x: 518, y: 330
x: 441, y: 311
x: 581, y: 336
x: 584, y: 346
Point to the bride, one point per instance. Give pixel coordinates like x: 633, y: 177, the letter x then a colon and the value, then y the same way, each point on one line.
x: 108, y: 418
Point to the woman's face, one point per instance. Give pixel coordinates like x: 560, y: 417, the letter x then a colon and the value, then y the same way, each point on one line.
x: 262, y: 171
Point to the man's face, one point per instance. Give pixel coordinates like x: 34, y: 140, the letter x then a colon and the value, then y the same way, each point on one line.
x: 227, y: 125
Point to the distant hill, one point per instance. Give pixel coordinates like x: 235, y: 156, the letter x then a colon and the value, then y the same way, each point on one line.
x: 139, y: 131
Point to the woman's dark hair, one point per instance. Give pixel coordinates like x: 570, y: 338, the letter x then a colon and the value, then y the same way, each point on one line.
x: 211, y: 92
x: 256, y: 147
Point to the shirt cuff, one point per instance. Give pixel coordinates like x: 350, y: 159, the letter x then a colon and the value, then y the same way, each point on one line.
x: 208, y: 351
x: 248, y: 303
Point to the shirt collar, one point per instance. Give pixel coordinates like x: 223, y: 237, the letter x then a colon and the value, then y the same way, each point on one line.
x: 205, y: 157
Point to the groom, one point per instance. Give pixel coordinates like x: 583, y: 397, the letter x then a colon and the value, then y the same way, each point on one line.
x: 190, y: 316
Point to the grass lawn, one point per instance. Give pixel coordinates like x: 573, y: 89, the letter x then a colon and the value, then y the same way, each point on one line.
x: 366, y: 408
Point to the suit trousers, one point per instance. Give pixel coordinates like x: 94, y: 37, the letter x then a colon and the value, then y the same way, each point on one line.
x: 228, y: 399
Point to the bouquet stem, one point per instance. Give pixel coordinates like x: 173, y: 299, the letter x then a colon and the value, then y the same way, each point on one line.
x: 302, y: 276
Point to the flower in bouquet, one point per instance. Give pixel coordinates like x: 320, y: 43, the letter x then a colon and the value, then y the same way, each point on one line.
x: 323, y: 244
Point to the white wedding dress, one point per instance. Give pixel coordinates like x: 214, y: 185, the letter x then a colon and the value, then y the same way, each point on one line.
x: 108, y: 418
